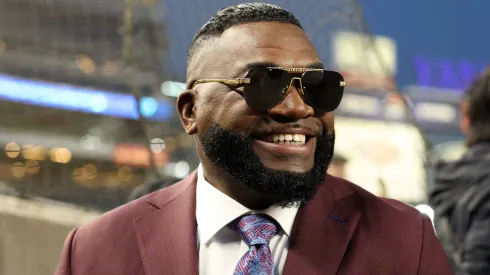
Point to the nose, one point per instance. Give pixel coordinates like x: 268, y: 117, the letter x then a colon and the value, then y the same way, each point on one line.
x: 292, y: 107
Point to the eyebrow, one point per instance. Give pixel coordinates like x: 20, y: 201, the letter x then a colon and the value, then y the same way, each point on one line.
x: 262, y: 65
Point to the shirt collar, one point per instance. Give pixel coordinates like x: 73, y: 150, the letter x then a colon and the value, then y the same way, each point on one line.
x: 215, y: 210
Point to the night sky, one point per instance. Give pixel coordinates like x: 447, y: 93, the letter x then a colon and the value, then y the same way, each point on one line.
x: 445, y: 38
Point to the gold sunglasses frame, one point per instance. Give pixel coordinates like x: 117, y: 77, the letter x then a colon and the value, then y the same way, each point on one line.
x: 241, y: 81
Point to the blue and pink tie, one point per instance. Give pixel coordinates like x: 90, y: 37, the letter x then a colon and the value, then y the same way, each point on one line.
x: 256, y: 231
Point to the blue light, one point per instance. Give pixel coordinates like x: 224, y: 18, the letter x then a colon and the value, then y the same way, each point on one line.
x: 446, y: 73
x: 81, y: 99
x: 148, y: 106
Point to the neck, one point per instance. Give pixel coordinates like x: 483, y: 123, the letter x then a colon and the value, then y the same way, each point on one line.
x: 233, y: 188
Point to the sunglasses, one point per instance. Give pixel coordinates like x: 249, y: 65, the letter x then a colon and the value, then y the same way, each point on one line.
x: 265, y: 88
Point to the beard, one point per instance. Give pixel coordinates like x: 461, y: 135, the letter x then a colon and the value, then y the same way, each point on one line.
x: 234, y: 154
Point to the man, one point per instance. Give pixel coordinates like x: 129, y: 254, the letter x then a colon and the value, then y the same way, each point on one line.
x: 461, y: 193
x: 337, y: 166
x: 259, y: 105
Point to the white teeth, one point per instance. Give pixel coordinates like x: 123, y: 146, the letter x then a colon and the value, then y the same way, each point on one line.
x: 292, y: 139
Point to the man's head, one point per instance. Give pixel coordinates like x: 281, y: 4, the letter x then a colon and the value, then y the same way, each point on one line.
x: 475, y: 111
x: 278, y: 156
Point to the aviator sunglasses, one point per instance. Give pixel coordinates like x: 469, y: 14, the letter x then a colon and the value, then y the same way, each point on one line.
x: 265, y: 88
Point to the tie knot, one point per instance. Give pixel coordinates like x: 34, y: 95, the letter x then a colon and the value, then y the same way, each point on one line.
x: 256, y: 229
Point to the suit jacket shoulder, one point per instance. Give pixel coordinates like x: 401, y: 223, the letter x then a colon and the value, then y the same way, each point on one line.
x: 370, y: 205
x: 389, y: 234
x: 121, y: 218
x: 113, y: 236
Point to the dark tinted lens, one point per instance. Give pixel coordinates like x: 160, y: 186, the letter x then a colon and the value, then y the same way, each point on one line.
x: 323, y: 90
x: 266, y: 88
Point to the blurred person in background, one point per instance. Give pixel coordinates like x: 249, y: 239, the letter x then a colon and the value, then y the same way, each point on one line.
x: 337, y: 166
x: 260, y: 106
x: 461, y: 193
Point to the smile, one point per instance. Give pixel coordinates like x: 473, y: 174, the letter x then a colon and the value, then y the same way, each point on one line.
x: 286, y: 139
x: 285, y: 144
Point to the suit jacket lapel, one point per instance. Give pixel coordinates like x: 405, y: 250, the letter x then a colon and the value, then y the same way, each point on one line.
x: 322, y: 231
x: 167, y: 235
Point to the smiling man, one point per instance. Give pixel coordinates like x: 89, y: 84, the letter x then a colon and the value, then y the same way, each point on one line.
x: 259, y: 104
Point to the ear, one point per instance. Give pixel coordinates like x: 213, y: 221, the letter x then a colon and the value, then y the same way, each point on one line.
x: 464, y: 124
x: 186, y: 108
x: 464, y: 120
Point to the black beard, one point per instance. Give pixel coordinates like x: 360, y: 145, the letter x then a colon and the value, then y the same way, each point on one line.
x: 233, y: 153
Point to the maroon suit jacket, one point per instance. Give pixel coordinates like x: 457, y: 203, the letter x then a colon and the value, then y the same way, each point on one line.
x: 344, y: 230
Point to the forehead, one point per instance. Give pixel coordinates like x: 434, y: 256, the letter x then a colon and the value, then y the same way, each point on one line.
x: 284, y: 44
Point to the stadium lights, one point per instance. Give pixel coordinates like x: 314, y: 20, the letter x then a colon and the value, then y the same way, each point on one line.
x: 67, y: 97
x: 61, y: 155
x: 86, y: 64
x: 33, y: 167
x: 172, y: 89
x: 12, y: 150
x: 18, y: 170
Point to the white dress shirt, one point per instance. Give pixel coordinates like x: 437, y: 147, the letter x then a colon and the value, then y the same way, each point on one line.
x: 220, y: 247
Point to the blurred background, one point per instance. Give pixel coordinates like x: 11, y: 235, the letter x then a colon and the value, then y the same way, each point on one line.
x: 88, y: 89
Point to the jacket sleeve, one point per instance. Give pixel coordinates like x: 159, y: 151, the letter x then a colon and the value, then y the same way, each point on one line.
x: 475, y: 259
x: 65, y: 263
x: 432, y: 259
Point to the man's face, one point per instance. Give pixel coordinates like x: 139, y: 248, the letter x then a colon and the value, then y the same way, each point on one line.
x: 240, y: 141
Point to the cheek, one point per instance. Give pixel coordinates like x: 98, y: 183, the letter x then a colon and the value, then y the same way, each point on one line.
x: 228, y: 109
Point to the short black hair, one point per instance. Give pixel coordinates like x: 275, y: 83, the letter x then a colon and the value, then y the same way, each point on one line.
x: 477, y: 98
x: 239, y: 14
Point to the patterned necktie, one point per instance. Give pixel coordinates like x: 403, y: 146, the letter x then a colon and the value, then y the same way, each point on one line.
x: 257, y: 232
